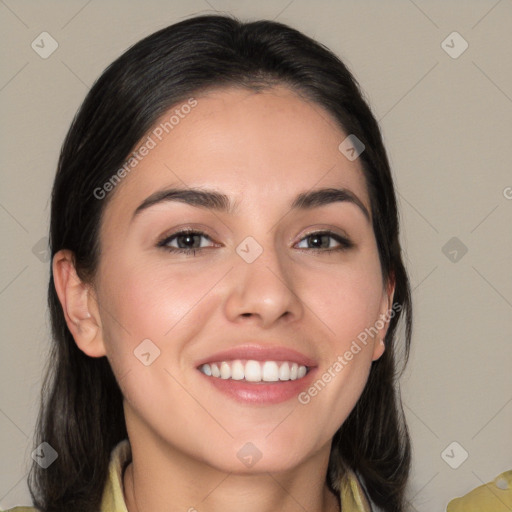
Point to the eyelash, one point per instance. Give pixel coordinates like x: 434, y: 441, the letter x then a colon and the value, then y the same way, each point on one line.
x: 345, y: 243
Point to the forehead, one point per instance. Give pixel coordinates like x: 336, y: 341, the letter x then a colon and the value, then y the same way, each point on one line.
x: 257, y: 147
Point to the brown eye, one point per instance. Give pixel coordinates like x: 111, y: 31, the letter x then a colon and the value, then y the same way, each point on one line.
x: 188, y: 242
x: 321, y: 240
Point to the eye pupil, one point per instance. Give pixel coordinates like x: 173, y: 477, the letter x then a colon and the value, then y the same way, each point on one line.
x: 315, y: 238
x: 319, y: 241
x: 188, y: 237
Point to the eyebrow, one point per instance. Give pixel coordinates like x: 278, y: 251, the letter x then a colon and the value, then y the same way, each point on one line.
x: 213, y: 200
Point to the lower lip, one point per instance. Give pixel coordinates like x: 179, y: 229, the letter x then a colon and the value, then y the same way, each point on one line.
x: 261, y: 392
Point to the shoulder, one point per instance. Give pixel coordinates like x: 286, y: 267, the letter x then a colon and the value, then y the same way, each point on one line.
x: 495, y: 496
x: 21, y: 509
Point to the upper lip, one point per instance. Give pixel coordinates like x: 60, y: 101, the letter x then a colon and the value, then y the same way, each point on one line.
x: 259, y: 353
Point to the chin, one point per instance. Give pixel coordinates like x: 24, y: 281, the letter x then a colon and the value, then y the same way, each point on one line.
x: 263, y: 455
x: 261, y: 463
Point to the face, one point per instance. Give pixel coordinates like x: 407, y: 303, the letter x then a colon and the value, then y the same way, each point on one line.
x: 256, y: 292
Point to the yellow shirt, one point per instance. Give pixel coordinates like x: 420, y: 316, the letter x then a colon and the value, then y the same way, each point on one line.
x: 496, y: 496
x: 352, y: 496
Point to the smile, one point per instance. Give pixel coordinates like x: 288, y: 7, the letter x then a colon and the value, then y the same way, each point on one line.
x: 255, y: 371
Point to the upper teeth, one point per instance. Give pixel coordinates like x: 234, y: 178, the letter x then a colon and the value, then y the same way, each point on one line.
x: 255, y: 371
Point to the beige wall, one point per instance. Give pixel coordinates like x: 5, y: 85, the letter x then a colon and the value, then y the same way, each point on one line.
x: 447, y: 126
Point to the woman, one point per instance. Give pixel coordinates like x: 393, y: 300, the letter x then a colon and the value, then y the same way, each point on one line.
x: 226, y: 285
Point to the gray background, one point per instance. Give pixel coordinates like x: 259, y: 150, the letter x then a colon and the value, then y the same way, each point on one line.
x: 446, y: 124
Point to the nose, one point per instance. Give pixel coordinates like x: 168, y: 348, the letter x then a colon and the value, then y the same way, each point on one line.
x: 263, y: 291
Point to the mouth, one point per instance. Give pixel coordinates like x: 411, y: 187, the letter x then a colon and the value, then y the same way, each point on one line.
x: 255, y: 371
x: 258, y: 375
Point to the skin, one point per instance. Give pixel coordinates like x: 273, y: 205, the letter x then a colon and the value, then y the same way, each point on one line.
x: 261, y: 149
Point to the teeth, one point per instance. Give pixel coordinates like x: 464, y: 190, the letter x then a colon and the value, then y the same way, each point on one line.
x: 271, y: 371
x: 215, y: 371
x: 293, y: 371
x: 252, y: 371
x: 284, y: 372
x: 255, y: 371
x: 237, y: 370
x: 225, y: 371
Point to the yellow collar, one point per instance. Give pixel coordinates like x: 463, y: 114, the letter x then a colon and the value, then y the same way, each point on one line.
x: 352, y: 496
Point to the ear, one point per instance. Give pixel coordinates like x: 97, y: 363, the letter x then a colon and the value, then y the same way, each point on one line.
x: 79, y: 305
x: 386, y: 312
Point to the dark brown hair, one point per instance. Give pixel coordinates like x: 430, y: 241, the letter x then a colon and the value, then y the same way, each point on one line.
x: 81, y: 414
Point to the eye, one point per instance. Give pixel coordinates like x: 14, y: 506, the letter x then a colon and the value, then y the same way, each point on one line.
x: 188, y: 242
x: 320, y: 241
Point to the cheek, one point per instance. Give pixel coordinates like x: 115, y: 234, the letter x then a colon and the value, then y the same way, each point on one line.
x: 346, y: 299
x: 149, y: 300
x: 150, y: 317
x: 165, y: 304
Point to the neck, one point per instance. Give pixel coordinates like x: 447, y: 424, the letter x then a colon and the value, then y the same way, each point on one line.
x: 157, y: 486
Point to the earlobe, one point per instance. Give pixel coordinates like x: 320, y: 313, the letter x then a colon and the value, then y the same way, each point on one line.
x: 385, y: 316
x: 378, y: 350
x: 78, y: 305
